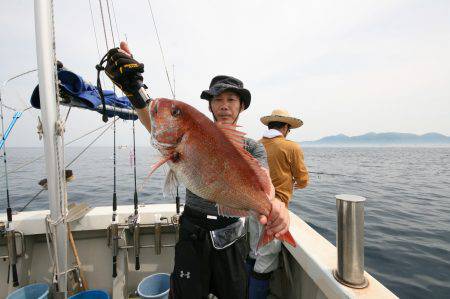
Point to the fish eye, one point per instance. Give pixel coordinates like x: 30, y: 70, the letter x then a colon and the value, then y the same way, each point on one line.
x: 176, y: 111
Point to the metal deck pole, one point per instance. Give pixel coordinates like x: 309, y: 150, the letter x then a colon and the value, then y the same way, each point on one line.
x: 53, y: 133
x: 350, y: 241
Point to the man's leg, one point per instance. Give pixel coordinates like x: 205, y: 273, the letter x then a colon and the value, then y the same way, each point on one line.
x: 190, y: 277
x: 229, y: 276
x: 263, y: 262
x: 259, y: 285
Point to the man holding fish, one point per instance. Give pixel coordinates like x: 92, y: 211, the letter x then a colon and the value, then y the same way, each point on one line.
x: 225, y: 175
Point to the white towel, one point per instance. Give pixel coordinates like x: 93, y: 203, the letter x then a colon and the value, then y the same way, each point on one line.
x: 271, y: 133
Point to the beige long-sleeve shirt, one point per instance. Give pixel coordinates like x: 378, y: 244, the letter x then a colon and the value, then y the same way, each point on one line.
x: 286, y: 166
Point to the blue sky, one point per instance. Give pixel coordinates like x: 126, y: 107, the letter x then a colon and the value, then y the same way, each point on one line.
x: 341, y: 66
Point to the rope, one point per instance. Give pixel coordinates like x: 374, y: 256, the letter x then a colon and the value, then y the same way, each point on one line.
x: 161, y: 49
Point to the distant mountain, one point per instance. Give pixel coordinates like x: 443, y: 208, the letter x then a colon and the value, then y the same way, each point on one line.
x: 382, y: 139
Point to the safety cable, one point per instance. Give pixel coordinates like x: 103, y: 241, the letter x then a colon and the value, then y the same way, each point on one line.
x: 91, y: 143
x: 8, y: 107
x: 71, y: 162
x: 67, y: 114
x: 33, y: 198
x: 41, y: 156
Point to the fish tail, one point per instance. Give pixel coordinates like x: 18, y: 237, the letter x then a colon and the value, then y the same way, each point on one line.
x: 266, y: 238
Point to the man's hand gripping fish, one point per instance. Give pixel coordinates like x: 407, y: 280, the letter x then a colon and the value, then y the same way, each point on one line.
x: 210, y: 160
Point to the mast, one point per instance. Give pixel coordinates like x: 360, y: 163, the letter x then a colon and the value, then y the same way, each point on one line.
x: 53, y: 135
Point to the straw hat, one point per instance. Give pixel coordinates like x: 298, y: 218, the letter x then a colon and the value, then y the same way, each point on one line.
x: 281, y: 115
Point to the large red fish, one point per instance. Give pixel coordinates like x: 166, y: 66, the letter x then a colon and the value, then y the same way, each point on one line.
x: 210, y: 160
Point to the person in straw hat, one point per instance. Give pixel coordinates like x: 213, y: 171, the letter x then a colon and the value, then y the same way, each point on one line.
x: 285, y: 157
x: 287, y: 171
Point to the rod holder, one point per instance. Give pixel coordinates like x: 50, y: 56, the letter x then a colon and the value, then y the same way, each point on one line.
x: 158, y: 238
x: 12, y: 255
x: 350, y: 241
x: 176, y: 224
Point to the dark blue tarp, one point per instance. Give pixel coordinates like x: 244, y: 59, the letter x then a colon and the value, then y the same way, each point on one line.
x: 78, y: 93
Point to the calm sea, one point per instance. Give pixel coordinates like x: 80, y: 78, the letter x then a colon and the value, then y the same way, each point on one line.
x: 407, y: 241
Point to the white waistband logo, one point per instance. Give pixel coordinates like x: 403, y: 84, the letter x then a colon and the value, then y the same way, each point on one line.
x: 186, y: 275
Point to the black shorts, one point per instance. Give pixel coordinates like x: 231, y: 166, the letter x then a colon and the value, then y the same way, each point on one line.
x: 200, y: 269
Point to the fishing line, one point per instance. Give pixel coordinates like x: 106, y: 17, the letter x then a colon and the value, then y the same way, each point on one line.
x: 95, y: 31
x: 161, y: 49
x: 115, y: 20
x: 110, y: 23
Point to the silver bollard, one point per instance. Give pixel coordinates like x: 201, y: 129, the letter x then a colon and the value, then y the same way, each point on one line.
x: 350, y: 241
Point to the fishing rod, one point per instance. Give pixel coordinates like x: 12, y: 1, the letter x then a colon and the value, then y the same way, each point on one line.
x: 135, y: 217
x: 5, y: 134
x: 10, y: 232
x: 113, y: 230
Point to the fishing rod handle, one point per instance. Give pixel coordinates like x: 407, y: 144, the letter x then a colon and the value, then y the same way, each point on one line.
x: 137, y: 264
x: 177, y: 204
x: 114, y: 274
x: 143, y: 93
x: 136, y: 239
x: 14, y: 275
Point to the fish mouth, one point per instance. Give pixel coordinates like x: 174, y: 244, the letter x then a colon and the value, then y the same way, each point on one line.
x: 161, y: 145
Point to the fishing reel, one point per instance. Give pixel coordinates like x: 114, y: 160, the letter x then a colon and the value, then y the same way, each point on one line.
x: 134, y: 228
x: 112, y: 235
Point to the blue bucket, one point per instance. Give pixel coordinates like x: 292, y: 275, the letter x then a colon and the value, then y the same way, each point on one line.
x: 32, y: 291
x: 91, y: 294
x: 155, y: 286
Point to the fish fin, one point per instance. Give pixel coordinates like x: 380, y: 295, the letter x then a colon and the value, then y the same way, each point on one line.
x: 230, y: 212
x: 171, y: 184
x: 159, y: 163
x: 266, y: 238
x: 237, y: 139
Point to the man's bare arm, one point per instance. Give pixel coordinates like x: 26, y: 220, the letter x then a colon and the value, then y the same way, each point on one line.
x: 144, y: 117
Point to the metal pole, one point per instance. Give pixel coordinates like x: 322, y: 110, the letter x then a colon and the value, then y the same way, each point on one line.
x: 350, y: 241
x: 53, y: 134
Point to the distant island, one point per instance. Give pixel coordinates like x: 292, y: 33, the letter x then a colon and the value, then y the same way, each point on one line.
x: 382, y: 139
